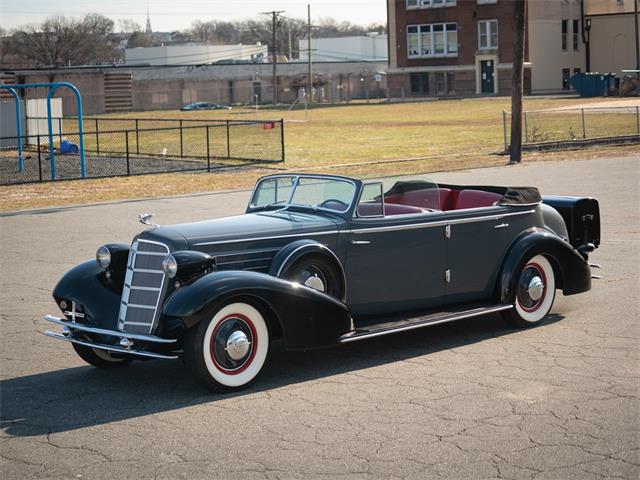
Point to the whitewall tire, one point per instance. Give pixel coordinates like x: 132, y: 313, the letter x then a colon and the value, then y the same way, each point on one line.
x: 228, y: 351
x: 535, y: 293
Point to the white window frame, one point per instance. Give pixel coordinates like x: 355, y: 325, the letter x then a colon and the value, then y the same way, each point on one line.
x: 486, y: 2
x: 430, y: 4
x: 432, y: 38
x: 484, y: 24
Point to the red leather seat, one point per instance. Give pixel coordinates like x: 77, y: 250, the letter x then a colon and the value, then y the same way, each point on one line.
x: 448, y: 198
x: 475, y: 199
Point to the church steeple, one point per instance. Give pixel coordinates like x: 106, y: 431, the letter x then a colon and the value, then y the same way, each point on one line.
x: 147, y: 28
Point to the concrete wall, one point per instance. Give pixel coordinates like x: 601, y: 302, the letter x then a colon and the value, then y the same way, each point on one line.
x: 545, y: 43
x: 192, y: 54
x: 370, y: 48
x: 613, y: 43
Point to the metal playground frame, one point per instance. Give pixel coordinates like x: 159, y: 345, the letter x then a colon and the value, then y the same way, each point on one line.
x: 52, y: 87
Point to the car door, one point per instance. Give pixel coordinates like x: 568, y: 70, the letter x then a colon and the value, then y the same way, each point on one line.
x: 394, y: 262
x: 477, y: 244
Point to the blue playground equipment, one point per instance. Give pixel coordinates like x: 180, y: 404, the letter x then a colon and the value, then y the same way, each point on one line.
x: 53, y: 86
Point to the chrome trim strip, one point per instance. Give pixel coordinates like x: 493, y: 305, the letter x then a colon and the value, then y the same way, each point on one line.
x: 101, y: 331
x: 268, y: 259
x: 136, y: 305
x: 392, y: 228
x: 139, y: 324
x: 354, y: 337
x: 156, y: 254
x: 147, y: 289
x: 145, y: 270
x: 497, y: 216
x: 293, y: 235
x: 110, y: 348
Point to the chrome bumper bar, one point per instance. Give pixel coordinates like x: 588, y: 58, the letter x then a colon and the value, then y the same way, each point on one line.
x: 112, y: 333
x: 127, y: 339
x: 110, y: 348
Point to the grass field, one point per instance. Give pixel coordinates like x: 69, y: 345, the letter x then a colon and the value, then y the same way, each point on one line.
x: 364, y: 140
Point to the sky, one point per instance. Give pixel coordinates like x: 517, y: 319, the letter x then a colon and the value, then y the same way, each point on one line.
x: 168, y: 15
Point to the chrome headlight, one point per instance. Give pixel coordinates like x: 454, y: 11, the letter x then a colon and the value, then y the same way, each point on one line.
x: 103, y: 257
x: 170, y: 266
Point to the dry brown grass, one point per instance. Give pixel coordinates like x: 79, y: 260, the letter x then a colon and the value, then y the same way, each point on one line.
x: 353, y: 140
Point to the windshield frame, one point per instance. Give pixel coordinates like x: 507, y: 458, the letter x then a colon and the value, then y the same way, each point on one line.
x: 296, y: 180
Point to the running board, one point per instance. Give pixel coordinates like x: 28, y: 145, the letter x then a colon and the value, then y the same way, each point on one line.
x: 419, y: 322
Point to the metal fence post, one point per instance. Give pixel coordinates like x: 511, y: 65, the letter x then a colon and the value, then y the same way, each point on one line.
x: 282, y: 138
x: 504, y: 130
x: 137, y: 139
x: 97, y: 138
x: 526, y: 128
x: 208, y: 150
x: 181, y: 140
x: 638, y: 119
x: 126, y: 141
x: 60, y: 128
x: 584, y: 129
x: 39, y: 160
x: 228, y: 140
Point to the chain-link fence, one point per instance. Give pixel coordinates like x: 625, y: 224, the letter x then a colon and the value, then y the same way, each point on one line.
x: 572, y: 125
x: 134, y: 151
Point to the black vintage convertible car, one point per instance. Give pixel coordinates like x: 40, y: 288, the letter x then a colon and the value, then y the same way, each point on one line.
x: 319, y: 260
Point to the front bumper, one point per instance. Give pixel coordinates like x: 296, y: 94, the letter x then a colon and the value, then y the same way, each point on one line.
x: 127, y: 341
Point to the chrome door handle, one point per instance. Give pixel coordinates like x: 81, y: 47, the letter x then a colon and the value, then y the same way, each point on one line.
x: 360, y: 242
x: 502, y: 225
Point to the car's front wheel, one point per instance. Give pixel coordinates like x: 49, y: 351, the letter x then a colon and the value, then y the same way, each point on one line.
x: 228, y: 351
x: 535, y: 293
x: 99, y: 358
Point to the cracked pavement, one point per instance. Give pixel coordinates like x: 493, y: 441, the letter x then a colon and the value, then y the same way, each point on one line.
x: 472, y: 399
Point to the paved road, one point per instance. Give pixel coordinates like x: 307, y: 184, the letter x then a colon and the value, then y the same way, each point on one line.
x: 473, y: 399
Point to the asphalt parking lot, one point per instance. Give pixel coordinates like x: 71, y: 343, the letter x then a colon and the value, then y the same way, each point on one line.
x: 473, y: 399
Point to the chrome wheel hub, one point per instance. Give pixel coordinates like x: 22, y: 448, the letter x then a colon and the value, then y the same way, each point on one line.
x: 535, y: 288
x: 238, y: 345
x: 315, y: 282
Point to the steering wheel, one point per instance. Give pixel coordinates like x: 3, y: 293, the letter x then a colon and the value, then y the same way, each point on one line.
x: 334, y: 204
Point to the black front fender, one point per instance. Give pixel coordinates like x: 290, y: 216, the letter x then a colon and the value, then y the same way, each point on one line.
x: 97, y: 296
x: 307, y: 318
x: 568, y: 264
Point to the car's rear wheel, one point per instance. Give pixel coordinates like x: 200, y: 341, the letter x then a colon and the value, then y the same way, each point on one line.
x: 228, y: 351
x: 100, y: 358
x: 319, y: 273
x: 535, y: 293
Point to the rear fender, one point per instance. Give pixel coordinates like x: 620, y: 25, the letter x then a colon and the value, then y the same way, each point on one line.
x: 572, y: 271
x: 307, y: 317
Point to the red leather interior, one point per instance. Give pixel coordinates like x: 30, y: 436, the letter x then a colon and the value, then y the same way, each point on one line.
x: 418, y: 198
x: 476, y: 198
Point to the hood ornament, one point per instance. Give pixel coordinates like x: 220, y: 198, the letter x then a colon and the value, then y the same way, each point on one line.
x: 145, y: 218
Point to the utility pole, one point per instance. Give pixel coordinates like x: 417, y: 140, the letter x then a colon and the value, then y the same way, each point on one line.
x: 635, y: 11
x: 515, y: 150
x: 310, y: 75
x: 274, y: 51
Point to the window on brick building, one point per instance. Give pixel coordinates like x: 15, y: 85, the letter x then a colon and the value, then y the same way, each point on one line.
x: 419, y: 83
x: 565, y: 27
x: 487, y: 34
x: 575, y: 35
x: 432, y: 40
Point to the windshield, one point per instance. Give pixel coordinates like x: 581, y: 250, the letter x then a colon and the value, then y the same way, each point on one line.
x: 333, y: 194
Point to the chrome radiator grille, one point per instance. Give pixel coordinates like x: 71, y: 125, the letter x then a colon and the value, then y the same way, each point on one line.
x: 144, y: 285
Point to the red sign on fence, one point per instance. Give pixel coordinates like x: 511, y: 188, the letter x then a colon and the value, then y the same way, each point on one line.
x: 269, y: 125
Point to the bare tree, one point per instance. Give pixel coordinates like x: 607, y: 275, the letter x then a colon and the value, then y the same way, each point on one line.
x: 62, y: 41
x: 127, y: 27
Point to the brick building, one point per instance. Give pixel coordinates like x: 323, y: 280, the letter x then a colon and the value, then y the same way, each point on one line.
x: 450, y: 47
